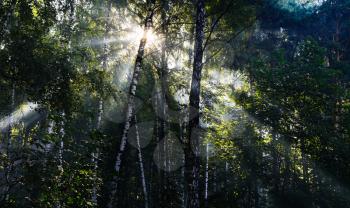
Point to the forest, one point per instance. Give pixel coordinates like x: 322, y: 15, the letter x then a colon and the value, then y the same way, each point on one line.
x: 175, y: 103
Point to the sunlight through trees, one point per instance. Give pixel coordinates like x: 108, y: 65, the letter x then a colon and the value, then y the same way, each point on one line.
x: 175, y: 103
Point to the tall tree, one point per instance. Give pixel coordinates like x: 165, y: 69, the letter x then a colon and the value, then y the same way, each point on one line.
x: 148, y: 24
x: 192, y: 160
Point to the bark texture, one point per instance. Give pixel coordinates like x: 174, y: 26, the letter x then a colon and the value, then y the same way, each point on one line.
x: 131, y: 98
x: 142, y: 171
x: 192, y: 161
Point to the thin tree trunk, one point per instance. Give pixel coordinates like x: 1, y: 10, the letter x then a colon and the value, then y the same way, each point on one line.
x: 157, y: 138
x: 256, y: 194
x: 151, y: 195
x: 131, y: 97
x: 192, y: 161
x: 215, y: 185
x: 226, y: 182
x: 183, y: 122
x: 206, y: 176
x: 60, y: 157
x: 183, y: 181
x: 65, y: 112
x: 5, y: 26
x: 163, y: 104
x: 304, y: 162
x: 287, y: 174
x: 143, y: 178
x: 184, y: 190
x: 95, y: 155
x: 275, y: 163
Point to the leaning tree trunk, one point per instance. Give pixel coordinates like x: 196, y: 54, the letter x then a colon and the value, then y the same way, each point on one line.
x: 192, y: 162
x: 131, y: 98
x: 142, y: 171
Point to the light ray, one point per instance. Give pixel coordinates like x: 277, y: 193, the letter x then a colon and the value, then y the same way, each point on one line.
x: 18, y: 115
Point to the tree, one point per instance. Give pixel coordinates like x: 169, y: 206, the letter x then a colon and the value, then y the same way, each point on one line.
x: 132, y: 91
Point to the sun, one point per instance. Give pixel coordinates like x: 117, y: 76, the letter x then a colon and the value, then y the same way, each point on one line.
x: 138, y: 33
x: 151, y: 37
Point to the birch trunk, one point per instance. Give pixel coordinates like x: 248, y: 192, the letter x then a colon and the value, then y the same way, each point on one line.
x: 95, y: 155
x: 192, y: 161
x: 143, y: 178
x: 206, y: 176
x: 60, y: 157
x: 304, y: 162
x: 131, y: 97
x: 275, y: 163
x: 157, y: 135
x: 163, y: 105
x: 65, y: 113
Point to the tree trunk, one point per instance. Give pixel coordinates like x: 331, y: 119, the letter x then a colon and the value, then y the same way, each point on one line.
x: 206, y: 176
x: 192, y: 161
x: 157, y: 134
x: 95, y: 155
x: 61, y: 133
x: 130, y: 105
x: 287, y: 173
x: 275, y: 163
x: 304, y: 160
x: 164, y: 102
x: 143, y: 178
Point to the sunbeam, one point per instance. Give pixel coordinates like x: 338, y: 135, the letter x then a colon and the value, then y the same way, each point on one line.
x: 168, y: 103
x: 18, y: 115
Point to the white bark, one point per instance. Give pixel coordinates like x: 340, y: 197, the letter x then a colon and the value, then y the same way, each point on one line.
x: 61, y: 144
x: 95, y: 155
x: 143, y: 178
x: 60, y: 155
x: 132, y: 91
x: 206, y: 174
x: 100, y: 113
x: 130, y: 104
